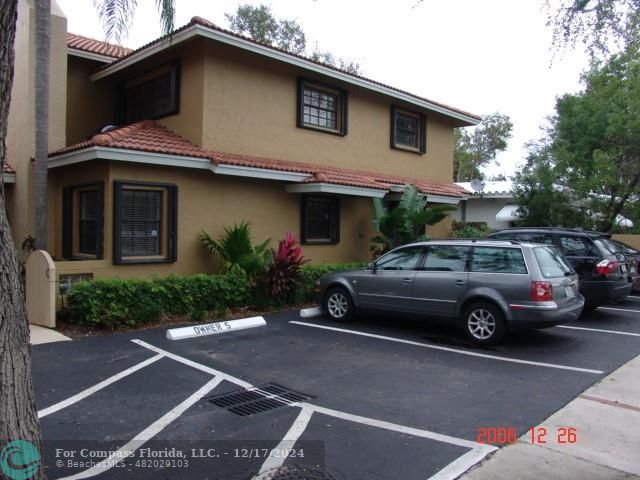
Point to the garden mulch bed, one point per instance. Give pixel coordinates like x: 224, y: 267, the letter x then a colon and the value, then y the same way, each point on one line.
x: 74, y: 330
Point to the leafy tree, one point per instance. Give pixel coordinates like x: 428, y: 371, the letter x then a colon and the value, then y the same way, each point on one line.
x: 479, y: 146
x: 596, y: 137
x: 543, y: 201
x: 592, y: 149
x: 328, y: 58
x: 258, y: 23
x: 602, y: 25
x: 406, y: 222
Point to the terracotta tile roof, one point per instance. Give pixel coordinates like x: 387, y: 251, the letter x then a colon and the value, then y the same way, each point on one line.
x: 8, y: 168
x: 208, y: 24
x: 145, y: 136
x: 91, y: 45
x: 150, y: 136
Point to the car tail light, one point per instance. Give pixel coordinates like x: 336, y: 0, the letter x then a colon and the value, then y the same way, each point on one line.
x: 541, y: 291
x: 606, y: 267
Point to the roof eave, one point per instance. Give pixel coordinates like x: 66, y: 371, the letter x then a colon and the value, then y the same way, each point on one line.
x: 90, y: 55
x: 196, y: 29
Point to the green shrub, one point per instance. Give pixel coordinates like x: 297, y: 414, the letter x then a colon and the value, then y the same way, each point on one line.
x: 115, y: 303
x: 470, y: 229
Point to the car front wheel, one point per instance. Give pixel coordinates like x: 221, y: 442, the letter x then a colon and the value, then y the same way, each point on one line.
x: 484, y: 323
x: 338, y: 304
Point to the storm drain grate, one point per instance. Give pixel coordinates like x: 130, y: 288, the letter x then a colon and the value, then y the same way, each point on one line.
x: 258, y: 399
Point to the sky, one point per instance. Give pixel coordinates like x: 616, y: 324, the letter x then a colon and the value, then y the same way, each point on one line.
x: 479, y: 56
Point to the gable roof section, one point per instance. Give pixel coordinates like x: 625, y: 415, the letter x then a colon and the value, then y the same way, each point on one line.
x: 207, y: 29
x: 151, y: 137
x: 95, y: 49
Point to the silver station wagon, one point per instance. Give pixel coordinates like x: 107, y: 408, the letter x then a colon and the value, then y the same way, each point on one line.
x: 487, y: 287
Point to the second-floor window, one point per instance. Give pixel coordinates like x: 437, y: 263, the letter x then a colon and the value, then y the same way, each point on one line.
x: 150, y: 96
x: 408, y: 130
x: 322, y: 107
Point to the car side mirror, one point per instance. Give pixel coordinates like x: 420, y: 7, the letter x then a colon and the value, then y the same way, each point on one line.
x: 371, y: 266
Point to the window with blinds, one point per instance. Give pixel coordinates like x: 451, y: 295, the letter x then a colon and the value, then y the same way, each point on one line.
x: 145, y: 222
x: 141, y: 222
x: 150, y: 96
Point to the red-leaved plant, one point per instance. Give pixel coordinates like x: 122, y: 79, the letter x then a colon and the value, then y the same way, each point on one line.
x: 284, y: 272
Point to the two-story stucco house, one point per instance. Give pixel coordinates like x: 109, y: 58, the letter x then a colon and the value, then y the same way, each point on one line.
x: 208, y: 128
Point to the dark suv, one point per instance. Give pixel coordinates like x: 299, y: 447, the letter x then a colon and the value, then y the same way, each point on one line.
x: 604, y: 276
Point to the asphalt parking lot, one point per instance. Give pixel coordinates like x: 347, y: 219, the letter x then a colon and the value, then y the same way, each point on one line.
x: 375, y: 398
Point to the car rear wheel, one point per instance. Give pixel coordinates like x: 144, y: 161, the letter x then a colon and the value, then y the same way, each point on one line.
x: 338, y: 304
x: 484, y: 323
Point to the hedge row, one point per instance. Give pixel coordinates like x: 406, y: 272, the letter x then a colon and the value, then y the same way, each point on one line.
x: 116, y: 303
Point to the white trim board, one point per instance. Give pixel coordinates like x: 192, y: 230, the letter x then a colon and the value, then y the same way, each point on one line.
x: 90, y: 55
x: 200, y: 30
x: 337, y: 189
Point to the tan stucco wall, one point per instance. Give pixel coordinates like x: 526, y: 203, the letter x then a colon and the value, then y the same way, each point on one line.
x: 20, y: 134
x: 209, y: 202
x: 250, y: 107
x: 90, y: 105
x: 188, y: 121
x: 632, y: 240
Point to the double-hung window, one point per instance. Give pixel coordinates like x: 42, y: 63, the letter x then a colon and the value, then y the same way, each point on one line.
x: 322, y: 107
x: 408, y: 130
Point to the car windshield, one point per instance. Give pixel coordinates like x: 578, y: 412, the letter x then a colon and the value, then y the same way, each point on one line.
x: 551, y: 261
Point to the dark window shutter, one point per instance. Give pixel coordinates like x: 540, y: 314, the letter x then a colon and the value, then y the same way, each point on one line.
x: 67, y: 218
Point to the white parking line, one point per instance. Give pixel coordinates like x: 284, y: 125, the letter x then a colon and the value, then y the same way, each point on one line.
x: 453, y: 350
x: 616, y: 332
x: 416, y: 432
x: 619, y: 309
x: 196, y: 365
x: 463, y: 463
x: 288, y: 441
x: 327, y: 411
x: 147, y: 434
x: 98, y: 386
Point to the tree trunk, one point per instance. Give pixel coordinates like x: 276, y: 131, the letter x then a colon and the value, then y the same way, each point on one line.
x: 43, y: 41
x: 18, y: 414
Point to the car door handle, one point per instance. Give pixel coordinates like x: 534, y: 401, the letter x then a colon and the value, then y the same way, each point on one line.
x: 460, y: 282
x: 406, y: 281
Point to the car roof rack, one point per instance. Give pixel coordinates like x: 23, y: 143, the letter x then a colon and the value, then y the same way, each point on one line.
x: 593, y: 233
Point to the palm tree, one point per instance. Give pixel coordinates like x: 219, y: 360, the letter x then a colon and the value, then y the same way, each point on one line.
x: 18, y: 414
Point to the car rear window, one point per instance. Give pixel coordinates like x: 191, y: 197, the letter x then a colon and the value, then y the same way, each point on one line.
x: 551, y: 262
x: 498, y: 260
x: 578, y: 247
